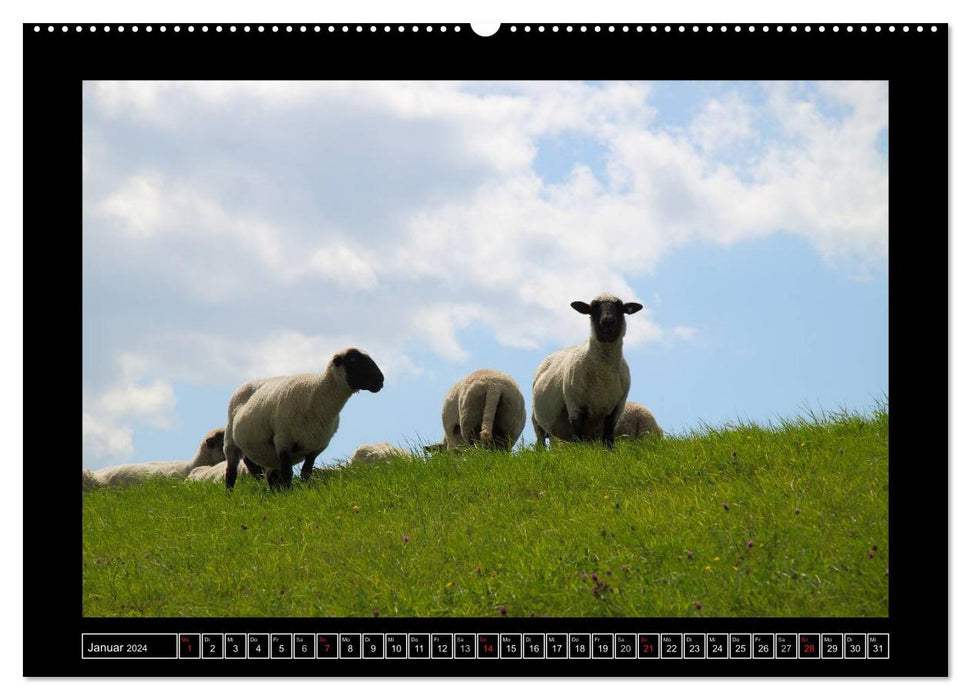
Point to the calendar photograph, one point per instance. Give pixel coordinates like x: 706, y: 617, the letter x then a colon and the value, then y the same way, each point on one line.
x: 485, y: 349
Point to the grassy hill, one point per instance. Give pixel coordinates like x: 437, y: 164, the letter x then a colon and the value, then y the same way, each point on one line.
x: 739, y: 521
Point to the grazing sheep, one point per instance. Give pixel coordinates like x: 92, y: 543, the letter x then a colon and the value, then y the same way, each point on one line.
x: 367, y: 454
x: 579, y: 392
x: 637, y: 421
x: 485, y: 408
x: 210, y: 452
x: 289, y: 419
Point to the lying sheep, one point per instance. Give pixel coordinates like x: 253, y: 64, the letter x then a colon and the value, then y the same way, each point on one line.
x: 637, y: 421
x: 214, y: 473
x: 367, y: 454
x: 89, y: 482
x: 579, y: 392
x: 289, y: 419
x: 210, y: 452
x: 485, y: 408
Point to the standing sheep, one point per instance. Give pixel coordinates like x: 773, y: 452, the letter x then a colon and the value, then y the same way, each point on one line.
x: 289, y: 419
x: 636, y: 421
x: 485, y: 408
x: 210, y: 452
x: 579, y: 392
x: 367, y: 454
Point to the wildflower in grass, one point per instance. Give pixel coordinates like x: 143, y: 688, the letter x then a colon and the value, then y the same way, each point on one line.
x: 697, y: 605
x: 450, y: 584
x: 502, y: 610
x: 609, y: 572
x: 625, y: 568
x: 594, y: 577
x: 405, y: 538
x: 869, y: 553
x: 798, y: 511
x: 716, y: 558
x: 244, y: 527
x: 707, y: 567
x: 356, y: 509
x: 750, y: 544
x: 689, y: 554
x: 725, y: 505
x: 375, y: 612
x: 584, y: 576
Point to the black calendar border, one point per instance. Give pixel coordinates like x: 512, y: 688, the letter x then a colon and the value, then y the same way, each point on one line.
x: 916, y: 66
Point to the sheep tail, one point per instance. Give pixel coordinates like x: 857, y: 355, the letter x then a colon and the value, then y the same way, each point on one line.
x: 493, y: 394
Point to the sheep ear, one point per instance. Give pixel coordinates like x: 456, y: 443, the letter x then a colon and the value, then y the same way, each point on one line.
x: 582, y: 307
x: 338, y: 360
x: 632, y: 307
x: 210, y: 442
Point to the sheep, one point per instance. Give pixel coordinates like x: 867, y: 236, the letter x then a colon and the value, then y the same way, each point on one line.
x: 210, y: 452
x: 238, y: 399
x: 289, y: 419
x: 367, y: 454
x: 214, y: 473
x: 637, y: 421
x: 89, y: 482
x: 579, y: 392
x: 485, y: 408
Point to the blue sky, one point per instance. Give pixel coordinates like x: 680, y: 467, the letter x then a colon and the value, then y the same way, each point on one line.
x: 237, y: 230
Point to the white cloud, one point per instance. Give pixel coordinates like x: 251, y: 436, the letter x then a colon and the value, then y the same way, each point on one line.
x: 103, y: 439
x: 109, y: 415
x: 722, y: 124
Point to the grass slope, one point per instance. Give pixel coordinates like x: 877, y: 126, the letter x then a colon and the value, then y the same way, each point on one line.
x: 742, y: 521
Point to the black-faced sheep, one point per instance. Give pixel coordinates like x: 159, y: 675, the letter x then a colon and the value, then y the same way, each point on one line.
x: 485, y: 408
x: 286, y: 420
x: 579, y: 392
x: 637, y: 421
x: 210, y: 452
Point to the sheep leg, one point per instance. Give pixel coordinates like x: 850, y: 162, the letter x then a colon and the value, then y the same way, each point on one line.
x: 308, y: 466
x: 610, y: 424
x: 232, y: 464
x: 286, y: 469
x: 540, y: 433
x: 255, y: 470
x: 578, y: 422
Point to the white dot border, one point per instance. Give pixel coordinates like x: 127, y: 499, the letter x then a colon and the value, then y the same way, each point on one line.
x: 519, y: 29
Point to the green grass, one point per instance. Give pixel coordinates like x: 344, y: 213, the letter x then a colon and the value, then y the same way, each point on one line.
x: 665, y: 526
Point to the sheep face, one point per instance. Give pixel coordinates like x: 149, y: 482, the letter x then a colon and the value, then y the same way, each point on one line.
x: 214, y: 445
x: 606, y: 314
x: 360, y: 371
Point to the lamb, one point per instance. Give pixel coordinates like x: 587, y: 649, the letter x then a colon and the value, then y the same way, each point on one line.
x: 210, y: 452
x: 289, y: 419
x: 485, y: 408
x: 579, y: 392
x: 367, y: 454
x: 637, y: 421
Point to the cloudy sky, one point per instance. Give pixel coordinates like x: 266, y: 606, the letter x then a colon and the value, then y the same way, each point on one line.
x: 239, y: 230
